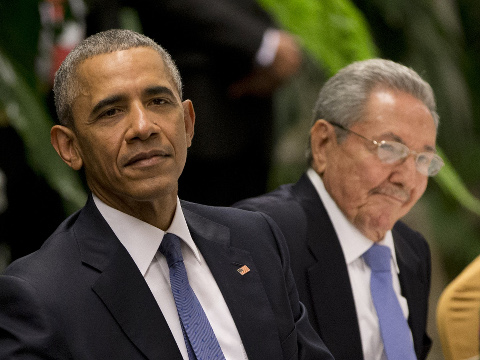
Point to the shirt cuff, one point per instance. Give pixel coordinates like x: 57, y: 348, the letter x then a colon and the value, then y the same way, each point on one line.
x: 268, y: 49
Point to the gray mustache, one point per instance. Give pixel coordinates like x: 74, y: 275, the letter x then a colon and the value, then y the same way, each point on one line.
x: 394, y: 191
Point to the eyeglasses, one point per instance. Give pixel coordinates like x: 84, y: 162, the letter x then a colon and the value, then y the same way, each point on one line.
x: 389, y: 152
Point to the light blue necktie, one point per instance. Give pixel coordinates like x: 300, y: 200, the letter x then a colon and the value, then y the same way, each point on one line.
x: 197, y: 331
x: 394, y: 328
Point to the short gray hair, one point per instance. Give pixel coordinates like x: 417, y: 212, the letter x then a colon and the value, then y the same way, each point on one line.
x: 344, y: 96
x: 66, y: 86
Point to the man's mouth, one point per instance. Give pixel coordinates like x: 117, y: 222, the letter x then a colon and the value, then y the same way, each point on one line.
x: 147, y: 158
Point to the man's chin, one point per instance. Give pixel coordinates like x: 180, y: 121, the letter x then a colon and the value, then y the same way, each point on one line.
x: 151, y: 189
x: 375, y: 227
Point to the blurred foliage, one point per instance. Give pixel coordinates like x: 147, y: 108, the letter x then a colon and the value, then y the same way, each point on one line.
x: 27, y: 114
x: 333, y: 31
x: 450, y: 182
x: 19, y: 26
x: 23, y: 99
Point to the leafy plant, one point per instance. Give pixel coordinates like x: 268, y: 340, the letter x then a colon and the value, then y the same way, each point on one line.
x: 333, y: 31
x: 27, y: 114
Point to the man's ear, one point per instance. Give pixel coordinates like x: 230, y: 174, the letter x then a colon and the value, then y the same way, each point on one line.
x: 189, y: 119
x: 322, y: 136
x: 64, y: 141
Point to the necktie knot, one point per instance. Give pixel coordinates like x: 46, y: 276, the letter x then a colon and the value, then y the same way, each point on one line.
x: 378, y: 258
x: 170, y: 248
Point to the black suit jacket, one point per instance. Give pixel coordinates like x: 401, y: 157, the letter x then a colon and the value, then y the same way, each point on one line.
x: 81, y: 295
x: 321, y: 274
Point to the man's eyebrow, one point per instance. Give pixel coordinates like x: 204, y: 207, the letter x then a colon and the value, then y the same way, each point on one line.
x: 158, y: 90
x: 107, y: 101
x: 430, y: 149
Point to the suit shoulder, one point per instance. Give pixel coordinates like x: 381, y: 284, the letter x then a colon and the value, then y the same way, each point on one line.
x: 282, y: 205
x: 227, y: 216
x: 281, y: 195
x: 47, y: 261
x: 411, y: 237
x: 405, y: 230
x: 243, y: 228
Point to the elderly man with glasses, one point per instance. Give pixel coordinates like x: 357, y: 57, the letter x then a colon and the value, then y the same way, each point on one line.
x: 363, y: 274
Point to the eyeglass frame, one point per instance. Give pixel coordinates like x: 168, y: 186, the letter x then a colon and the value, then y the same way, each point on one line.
x: 378, y: 144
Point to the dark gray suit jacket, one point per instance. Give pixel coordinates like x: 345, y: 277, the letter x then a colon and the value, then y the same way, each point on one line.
x: 321, y: 274
x: 81, y: 296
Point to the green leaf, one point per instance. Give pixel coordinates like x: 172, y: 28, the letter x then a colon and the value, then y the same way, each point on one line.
x: 334, y: 32
x: 450, y: 182
x: 29, y: 117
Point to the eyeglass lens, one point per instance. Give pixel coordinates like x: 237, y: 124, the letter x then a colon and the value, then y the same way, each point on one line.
x: 428, y: 164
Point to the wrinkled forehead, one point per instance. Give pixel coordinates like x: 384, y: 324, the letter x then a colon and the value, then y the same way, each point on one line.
x: 398, y: 114
x: 141, y: 54
x: 124, y: 74
x: 390, y: 95
x: 121, y: 68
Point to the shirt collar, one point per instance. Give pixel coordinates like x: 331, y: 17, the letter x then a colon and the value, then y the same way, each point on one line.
x: 353, y: 242
x: 141, y: 239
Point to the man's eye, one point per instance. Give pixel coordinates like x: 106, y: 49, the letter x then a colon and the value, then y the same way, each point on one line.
x: 159, y: 101
x: 424, y: 158
x: 110, y: 112
x: 388, y: 147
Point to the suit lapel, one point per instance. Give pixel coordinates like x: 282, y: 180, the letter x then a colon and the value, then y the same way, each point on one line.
x: 331, y: 293
x: 245, y: 295
x: 412, y: 285
x: 122, y: 288
x: 329, y: 282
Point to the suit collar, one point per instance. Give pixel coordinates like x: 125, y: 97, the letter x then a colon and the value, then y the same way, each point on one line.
x: 96, y: 240
x: 141, y: 239
x: 335, y: 307
x: 354, y: 244
x: 407, y: 258
x: 323, y: 243
x: 204, y: 228
x: 121, y: 286
x: 413, y: 288
x: 245, y: 295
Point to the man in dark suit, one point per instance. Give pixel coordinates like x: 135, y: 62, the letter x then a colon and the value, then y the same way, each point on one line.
x: 232, y: 57
x: 98, y: 288
x: 372, y: 149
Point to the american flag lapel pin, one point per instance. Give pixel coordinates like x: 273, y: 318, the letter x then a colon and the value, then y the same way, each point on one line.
x: 243, y: 270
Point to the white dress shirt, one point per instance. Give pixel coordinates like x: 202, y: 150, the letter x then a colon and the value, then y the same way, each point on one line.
x: 142, y: 241
x: 354, y: 244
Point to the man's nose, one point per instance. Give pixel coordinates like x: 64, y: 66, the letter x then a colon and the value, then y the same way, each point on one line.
x: 142, y: 125
x: 405, y: 171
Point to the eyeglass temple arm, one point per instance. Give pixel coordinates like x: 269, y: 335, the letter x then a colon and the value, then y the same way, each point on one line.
x: 353, y: 132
